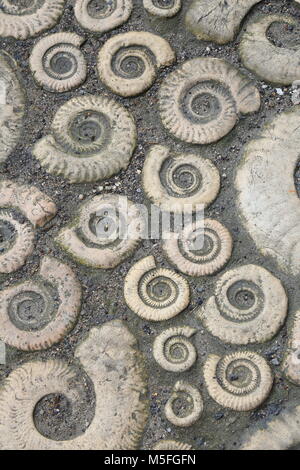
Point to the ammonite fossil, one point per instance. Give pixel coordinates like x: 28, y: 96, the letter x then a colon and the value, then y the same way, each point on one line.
x: 93, y: 137
x: 101, y: 16
x: 38, y: 313
x: 173, y: 350
x: 155, y: 294
x: 240, y: 381
x: 217, y: 20
x: 279, y: 65
x: 162, y: 8
x: 106, y: 231
x: 201, y: 101
x: 249, y: 305
x: 12, y: 105
x: 57, y: 63
x: 128, y: 63
x: 111, y: 360
x: 179, y: 181
x: 272, y: 218
x: 200, y: 249
x: 184, y: 414
x: 27, y: 18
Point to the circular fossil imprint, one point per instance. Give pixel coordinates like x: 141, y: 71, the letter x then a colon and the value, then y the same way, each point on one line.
x: 240, y: 381
x: 16, y: 242
x: 200, y: 102
x: 30, y: 317
x: 179, y: 182
x: 155, y: 294
x: 111, y: 360
x: 200, y: 249
x: 249, y: 305
x: 185, y: 405
x: 22, y: 20
x: 163, y: 8
x: 128, y: 63
x: 173, y: 351
x: 12, y: 105
x: 93, y: 138
x: 171, y: 445
x: 217, y: 20
x: 272, y: 218
x: 278, y: 65
x: 101, y: 16
x: 106, y: 231
x: 57, y: 63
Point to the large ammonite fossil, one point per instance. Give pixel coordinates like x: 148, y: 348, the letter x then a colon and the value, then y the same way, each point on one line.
x: 249, y: 305
x: 114, y: 365
x: 93, y: 137
x: 185, y: 405
x: 12, y: 105
x: 57, y: 63
x: 128, y: 63
x: 26, y: 18
x: 173, y: 350
x: 179, y: 182
x: 274, y: 64
x: 155, y: 294
x: 22, y: 208
x: 106, y: 231
x: 101, y: 16
x: 162, y: 8
x: 38, y: 313
x: 240, y: 381
x: 200, y: 249
x: 200, y: 102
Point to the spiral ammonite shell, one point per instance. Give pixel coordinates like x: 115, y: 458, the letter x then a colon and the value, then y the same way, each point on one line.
x: 171, y: 445
x: 12, y: 103
x: 102, y: 16
x: 110, y: 358
x: 93, y: 137
x: 240, y: 381
x: 56, y: 62
x: 249, y: 305
x: 31, y: 318
x: 106, y: 231
x: 16, y: 242
x: 200, y: 102
x: 179, y: 181
x: 193, y: 408
x: 163, y: 8
x: 201, y: 249
x: 155, y: 294
x: 173, y: 351
x: 28, y: 18
x: 278, y: 65
x: 128, y: 63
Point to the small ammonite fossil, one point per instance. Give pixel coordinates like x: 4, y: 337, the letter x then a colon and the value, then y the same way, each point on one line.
x: 155, y: 294
x: 128, y: 63
x: 185, y: 405
x: 110, y: 358
x: 106, y: 231
x: 163, y: 8
x: 272, y: 63
x: 179, y: 182
x: 12, y: 104
x: 173, y: 350
x: 240, y: 381
x: 38, y: 313
x: 101, y: 16
x: 217, y: 20
x: 171, y: 445
x: 249, y: 305
x: 57, y: 63
x: 201, y: 101
x: 92, y: 137
x: 26, y: 18
x: 200, y: 249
